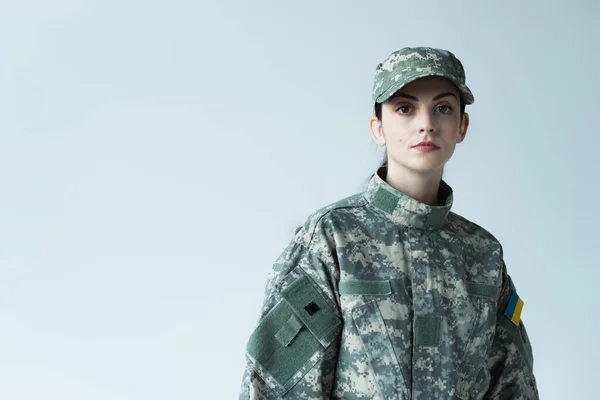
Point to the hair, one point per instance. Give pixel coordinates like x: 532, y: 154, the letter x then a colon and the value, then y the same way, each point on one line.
x: 378, y: 107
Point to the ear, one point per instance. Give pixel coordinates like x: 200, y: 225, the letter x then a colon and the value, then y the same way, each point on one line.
x: 464, y: 126
x: 377, y: 131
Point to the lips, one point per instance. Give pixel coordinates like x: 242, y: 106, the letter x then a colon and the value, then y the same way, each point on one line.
x: 426, y: 146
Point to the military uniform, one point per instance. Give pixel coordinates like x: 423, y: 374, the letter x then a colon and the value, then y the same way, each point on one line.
x: 380, y: 296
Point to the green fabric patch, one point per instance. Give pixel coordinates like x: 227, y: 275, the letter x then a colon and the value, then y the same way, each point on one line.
x: 436, y: 216
x: 289, y: 330
x: 385, y: 200
x: 397, y: 285
x: 282, y: 362
x: 427, y: 331
x: 322, y: 323
x: 482, y: 290
x: 359, y: 287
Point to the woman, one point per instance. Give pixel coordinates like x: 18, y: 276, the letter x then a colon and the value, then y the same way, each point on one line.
x: 387, y: 294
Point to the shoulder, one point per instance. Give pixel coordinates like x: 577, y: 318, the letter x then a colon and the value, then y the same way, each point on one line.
x: 325, y: 221
x: 480, y: 250
x: 480, y: 254
x: 346, y: 205
x: 471, y: 233
x: 312, y: 251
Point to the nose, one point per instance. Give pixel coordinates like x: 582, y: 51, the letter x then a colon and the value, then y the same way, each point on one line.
x: 425, y: 123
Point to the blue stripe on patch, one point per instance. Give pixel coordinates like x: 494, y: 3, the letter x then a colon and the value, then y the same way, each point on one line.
x: 512, y: 304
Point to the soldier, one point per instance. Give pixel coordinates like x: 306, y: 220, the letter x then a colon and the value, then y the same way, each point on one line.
x: 388, y: 294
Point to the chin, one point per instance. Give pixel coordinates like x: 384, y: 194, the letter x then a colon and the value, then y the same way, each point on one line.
x: 426, y: 167
x: 423, y: 165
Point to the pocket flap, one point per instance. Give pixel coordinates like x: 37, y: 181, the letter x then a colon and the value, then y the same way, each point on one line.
x: 482, y: 290
x: 289, y: 330
x: 364, y: 287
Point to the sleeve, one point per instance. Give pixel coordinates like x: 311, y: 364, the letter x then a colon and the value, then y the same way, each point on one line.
x: 292, y: 352
x: 510, y: 361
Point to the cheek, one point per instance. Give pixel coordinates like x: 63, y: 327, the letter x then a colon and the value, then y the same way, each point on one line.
x: 450, y: 121
x: 394, y: 139
x: 395, y: 130
x: 451, y: 129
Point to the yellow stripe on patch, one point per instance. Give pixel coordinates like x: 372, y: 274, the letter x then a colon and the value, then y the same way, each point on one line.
x: 516, y: 318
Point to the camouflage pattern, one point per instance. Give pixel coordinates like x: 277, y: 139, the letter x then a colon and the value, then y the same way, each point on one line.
x: 411, y: 63
x: 414, y: 298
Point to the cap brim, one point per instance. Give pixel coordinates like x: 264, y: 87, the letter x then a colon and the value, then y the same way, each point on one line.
x: 464, y: 90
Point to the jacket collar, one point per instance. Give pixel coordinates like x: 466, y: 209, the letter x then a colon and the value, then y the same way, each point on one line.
x: 404, y: 210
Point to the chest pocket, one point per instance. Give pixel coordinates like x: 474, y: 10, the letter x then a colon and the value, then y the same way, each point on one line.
x: 462, y: 333
x: 481, y: 309
x: 373, y: 331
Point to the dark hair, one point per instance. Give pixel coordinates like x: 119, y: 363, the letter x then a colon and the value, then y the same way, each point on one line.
x: 378, y: 107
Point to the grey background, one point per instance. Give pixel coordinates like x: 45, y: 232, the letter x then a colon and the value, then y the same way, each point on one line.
x: 156, y: 157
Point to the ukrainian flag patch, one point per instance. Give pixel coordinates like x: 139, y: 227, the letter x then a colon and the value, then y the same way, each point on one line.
x: 514, y: 308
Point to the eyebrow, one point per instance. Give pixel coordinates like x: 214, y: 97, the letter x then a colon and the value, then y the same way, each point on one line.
x: 414, y: 98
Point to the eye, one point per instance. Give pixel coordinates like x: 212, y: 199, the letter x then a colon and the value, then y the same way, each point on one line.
x: 444, y: 109
x: 404, y: 109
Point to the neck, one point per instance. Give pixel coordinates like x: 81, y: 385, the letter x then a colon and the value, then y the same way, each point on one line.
x: 421, y: 187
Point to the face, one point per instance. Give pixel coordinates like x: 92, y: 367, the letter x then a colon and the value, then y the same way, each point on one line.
x: 420, y: 125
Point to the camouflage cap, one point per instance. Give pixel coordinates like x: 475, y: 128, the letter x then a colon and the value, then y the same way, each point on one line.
x: 411, y: 63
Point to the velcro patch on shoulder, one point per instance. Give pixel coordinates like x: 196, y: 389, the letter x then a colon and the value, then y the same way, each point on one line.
x: 312, y: 308
x: 291, y: 338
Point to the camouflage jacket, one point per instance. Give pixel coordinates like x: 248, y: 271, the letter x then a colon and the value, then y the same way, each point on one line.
x: 380, y: 296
